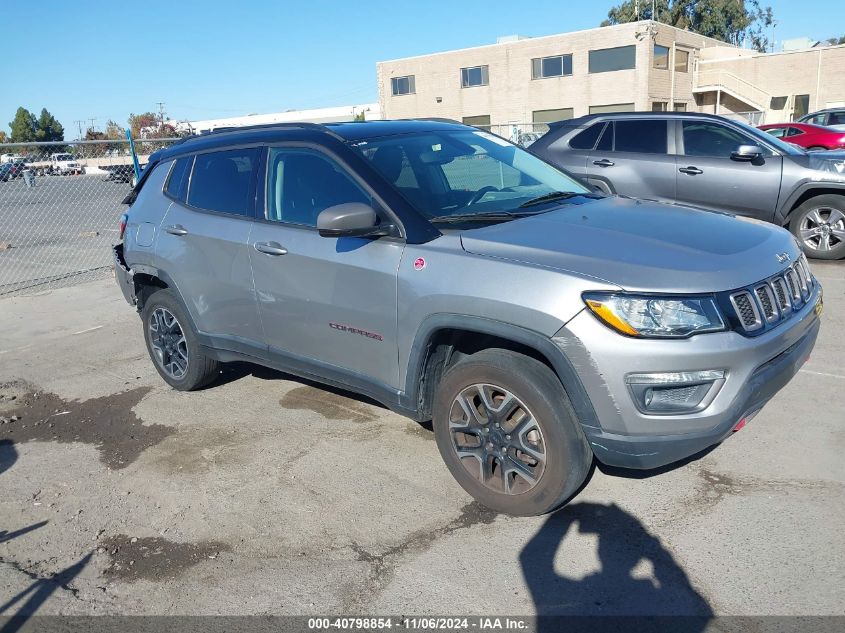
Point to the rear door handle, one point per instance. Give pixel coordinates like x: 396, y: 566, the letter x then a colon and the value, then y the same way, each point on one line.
x: 271, y: 248
x: 604, y: 163
x: 692, y: 171
x: 176, y: 229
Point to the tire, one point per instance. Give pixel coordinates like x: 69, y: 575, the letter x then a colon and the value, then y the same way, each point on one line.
x: 807, y: 223
x: 544, y: 413
x: 178, y: 349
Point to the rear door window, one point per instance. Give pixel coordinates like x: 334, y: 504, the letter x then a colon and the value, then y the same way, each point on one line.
x: 224, y: 181
x: 641, y: 136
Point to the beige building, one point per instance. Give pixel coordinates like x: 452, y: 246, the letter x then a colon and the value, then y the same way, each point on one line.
x: 636, y: 66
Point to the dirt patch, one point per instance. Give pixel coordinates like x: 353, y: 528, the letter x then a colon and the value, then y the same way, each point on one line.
x: 417, y: 429
x: 108, y: 423
x: 330, y: 405
x: 153, y: 558
x: 716, y: 485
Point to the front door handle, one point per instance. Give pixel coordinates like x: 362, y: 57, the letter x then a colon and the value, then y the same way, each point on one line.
x: 692, y: 171
x: 604, y: 163
x: 176, y: 229
x: 271, y: 248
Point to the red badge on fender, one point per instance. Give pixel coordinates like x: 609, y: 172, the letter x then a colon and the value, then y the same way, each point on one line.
x: 419, y: 263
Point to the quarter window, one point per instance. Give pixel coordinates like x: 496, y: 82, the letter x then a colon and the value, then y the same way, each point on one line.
x: 302, y: 183
x: 224, y: 181
x: 474, y: 76
x: 177, y: 182
x: 661, y: 57
x: 587, y: 139
x: 609, y: 59
x: 641, y: 136
x: 556, y: 66
x: 403, y: 85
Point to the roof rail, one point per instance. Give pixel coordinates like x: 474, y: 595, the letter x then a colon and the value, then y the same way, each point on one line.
x: 302, y: 125
x: 437, y: 119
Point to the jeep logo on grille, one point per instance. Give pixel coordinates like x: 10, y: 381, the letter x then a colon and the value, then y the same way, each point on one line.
x: 782, y: 257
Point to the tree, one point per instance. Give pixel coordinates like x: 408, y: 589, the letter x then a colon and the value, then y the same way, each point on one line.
x: 48, y: 128
x: 142, y: 124
x: 732, y: 21
x: 93, y: 135
x: 3, y: 137
x: 836, y: 41
x: 114, y: 132
x: 23, y: 126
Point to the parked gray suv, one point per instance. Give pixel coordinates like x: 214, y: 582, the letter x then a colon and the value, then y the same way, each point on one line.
x: 454, y: 277
x: 709, y: 162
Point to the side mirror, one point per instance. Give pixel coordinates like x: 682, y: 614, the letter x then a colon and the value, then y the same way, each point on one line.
x: 350, y: 219
x: 747, y: 153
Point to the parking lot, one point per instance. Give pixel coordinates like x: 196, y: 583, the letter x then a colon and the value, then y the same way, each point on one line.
x: 264, y: 494
x: 58, y: 230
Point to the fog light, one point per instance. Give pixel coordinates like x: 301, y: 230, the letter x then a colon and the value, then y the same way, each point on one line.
x: 675, y: 392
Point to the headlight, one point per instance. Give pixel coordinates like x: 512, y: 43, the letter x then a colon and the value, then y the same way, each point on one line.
x: 655, y: 317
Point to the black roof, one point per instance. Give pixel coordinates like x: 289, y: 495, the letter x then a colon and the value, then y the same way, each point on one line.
x: 304, y: 131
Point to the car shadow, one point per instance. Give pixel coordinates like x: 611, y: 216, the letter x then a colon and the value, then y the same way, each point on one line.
x: 637, y: 575
x: 8, y: 455
x: 231, y: 372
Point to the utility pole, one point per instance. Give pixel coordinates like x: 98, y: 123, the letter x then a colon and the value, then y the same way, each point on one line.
x: 93, y: 120
x: 79, y: 123
x: 161, y: 114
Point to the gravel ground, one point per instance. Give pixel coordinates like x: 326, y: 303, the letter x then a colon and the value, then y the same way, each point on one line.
x: 263, y: 494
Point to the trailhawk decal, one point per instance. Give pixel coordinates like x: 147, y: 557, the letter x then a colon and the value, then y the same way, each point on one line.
x: 355, y: 330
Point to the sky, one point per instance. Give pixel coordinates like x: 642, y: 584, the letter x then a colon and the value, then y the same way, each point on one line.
x: 105, y: 59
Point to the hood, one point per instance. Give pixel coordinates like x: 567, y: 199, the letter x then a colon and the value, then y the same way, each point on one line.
x: 641, y: 246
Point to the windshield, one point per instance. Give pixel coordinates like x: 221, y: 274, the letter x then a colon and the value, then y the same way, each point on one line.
x: 466, y: 172
x: 786, y: 148
x: 64, y: 157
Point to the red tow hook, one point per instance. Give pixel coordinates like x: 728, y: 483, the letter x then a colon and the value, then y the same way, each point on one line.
x: 740, y: 424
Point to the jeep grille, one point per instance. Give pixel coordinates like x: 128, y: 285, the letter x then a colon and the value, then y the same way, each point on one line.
x: 775, y: 299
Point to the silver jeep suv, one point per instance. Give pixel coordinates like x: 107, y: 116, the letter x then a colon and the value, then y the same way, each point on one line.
x: 454, y: 277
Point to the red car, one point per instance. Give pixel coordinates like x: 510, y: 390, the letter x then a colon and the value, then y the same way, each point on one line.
x: 807, y: 136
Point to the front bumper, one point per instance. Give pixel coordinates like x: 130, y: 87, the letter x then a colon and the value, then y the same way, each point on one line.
x: 123, y: 275
x: 757, y: 368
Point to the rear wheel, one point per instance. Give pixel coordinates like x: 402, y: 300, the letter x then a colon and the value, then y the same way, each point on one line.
x: 819, y: 226
x: 508, y: 434
x: 172, y: 344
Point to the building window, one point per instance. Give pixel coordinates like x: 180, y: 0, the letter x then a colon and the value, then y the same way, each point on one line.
x: 777, y: 103
x: 613, y: 107
x: 550, y: 116
x: 680, y: 107
x: 659, y: 106
x: 482, y: 120
x: 403, y: 85
x: 681, y: 61
x: 556, y: 66
x: 661, y: 57
x: 609, y: 59
x: 802, y: 106
x: 474, y: 76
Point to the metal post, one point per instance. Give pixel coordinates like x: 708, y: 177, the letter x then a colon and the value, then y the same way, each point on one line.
x: 718, y: 99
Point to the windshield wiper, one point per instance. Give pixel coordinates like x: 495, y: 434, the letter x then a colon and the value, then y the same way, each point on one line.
x: 554, y: 196
x: 493, y: 216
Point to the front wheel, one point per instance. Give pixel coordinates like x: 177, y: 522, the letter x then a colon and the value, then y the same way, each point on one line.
x: 172, y: 344
x: 819, y: 226
x: 508, y: 434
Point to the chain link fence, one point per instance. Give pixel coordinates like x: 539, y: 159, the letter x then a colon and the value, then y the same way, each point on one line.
x: 523, y: 134
x: 60, y: 205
